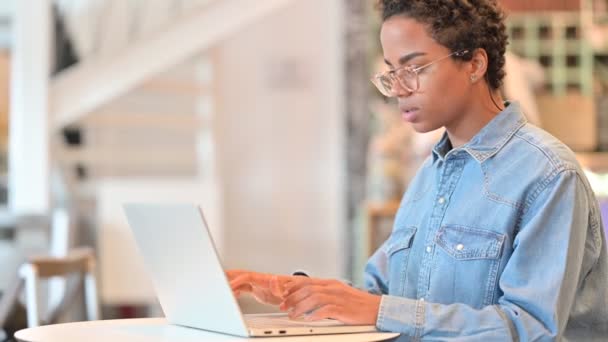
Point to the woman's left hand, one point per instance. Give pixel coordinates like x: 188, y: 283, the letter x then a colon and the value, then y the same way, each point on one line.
x: 322, y: 298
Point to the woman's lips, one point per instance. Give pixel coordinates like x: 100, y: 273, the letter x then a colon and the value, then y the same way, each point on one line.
x: 410, y: 114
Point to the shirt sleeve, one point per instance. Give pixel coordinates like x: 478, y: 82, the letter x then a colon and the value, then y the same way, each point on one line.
x: 376, y: 273
x: 539, y: 281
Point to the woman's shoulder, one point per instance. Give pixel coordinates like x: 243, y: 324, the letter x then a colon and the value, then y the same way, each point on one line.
x: 537, y: 147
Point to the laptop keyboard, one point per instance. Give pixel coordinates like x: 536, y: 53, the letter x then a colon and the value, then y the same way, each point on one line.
x: 264, y: 321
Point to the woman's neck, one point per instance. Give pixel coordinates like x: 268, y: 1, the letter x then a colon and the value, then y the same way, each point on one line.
x: 477, y: 116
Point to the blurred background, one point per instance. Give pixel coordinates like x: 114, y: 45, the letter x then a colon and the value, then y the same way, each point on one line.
x: 261, y: 111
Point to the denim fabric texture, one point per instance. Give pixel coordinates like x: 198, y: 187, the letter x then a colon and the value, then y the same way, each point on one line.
x: 500, y: 239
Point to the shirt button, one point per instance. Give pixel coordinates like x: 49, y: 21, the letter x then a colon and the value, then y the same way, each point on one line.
x: 429, y: 249
x: 459, y: 246
x: 441, y: 200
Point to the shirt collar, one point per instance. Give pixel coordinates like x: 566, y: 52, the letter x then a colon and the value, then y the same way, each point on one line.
x: 491, y: 138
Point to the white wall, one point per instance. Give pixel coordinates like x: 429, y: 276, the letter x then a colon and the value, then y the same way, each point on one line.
x: 280, y: 141
x: 123, y: 278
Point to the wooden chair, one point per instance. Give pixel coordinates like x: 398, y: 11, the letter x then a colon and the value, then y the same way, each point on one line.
x: 376, y: 212
x: 80, y: 262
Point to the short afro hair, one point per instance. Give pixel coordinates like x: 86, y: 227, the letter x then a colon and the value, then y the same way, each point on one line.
x: 459, y: 25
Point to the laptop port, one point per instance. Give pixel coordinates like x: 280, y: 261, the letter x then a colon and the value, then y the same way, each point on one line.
x: 282, y: 332
x: 268, y: 332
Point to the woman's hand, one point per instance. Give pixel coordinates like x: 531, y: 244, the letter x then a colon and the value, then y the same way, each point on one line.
x: 265, y: 288
x: 322, y: 298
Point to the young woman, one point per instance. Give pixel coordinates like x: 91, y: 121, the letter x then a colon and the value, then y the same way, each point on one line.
x: 498, y: 236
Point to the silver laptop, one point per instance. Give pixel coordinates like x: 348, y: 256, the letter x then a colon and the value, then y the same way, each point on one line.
x: 190, y: 283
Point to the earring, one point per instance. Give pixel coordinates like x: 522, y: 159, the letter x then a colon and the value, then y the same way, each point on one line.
x: 473, y: 78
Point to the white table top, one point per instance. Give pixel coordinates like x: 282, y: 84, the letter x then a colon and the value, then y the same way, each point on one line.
x: 157, y: 329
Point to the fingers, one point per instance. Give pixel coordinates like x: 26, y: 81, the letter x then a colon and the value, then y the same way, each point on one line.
x: 328, y: 311
x: 249, y: 279
x: 238, y: 287
x: 309, y: 304
x: 266, y: 288
x: 320, y: 299
x: 295, y: 290
x: 240, y: 282
x: 294, y: 298
x: 231, y: 274
x: 296, y: 283
x: 276, y: 287
x: 311, y: 295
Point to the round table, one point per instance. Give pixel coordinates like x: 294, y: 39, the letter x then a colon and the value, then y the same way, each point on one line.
x: 157, y: 329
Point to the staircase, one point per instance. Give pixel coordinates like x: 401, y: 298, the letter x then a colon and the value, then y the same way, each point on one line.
x: 99, y: 79
x: 131, y: 54
x: 143, y: 101
x: 134, y: 117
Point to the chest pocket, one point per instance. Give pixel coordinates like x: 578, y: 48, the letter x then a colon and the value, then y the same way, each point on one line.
x: 397, y: 250
x: 466, y: 265
x: 464, y: 243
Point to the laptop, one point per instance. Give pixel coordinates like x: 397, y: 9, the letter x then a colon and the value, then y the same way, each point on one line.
x: 190, y: 283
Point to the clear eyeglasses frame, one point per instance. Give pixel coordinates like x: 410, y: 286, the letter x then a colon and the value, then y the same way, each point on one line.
x: 406, y: 76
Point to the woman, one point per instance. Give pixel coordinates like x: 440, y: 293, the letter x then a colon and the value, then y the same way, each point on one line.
x: 498, y: 236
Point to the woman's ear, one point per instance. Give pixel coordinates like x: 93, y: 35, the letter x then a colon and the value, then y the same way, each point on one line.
x: 479, y: 64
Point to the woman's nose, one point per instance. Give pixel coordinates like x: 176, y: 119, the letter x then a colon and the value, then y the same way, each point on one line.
x: 400, y: 91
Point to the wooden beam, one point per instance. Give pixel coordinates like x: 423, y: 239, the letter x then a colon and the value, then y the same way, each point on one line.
x: 142, y: 121
x: 132, y: 156
x: 90, y: 84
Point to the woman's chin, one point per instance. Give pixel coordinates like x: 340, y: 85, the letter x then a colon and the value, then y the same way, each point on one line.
x: 423, y: 127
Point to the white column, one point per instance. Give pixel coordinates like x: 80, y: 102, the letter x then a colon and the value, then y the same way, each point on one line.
x: 29, y: 273
x: 28, y: 135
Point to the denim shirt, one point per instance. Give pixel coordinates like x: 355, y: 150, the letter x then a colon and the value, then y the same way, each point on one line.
x: 500, y: 239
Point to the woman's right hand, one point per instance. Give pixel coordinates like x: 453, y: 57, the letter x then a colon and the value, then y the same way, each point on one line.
x: 266, y: 288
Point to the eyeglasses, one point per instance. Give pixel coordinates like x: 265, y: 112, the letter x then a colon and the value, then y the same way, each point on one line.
x: 406, y: 76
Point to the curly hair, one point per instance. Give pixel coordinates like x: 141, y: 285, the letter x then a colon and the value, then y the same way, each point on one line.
x: 459, y: 25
